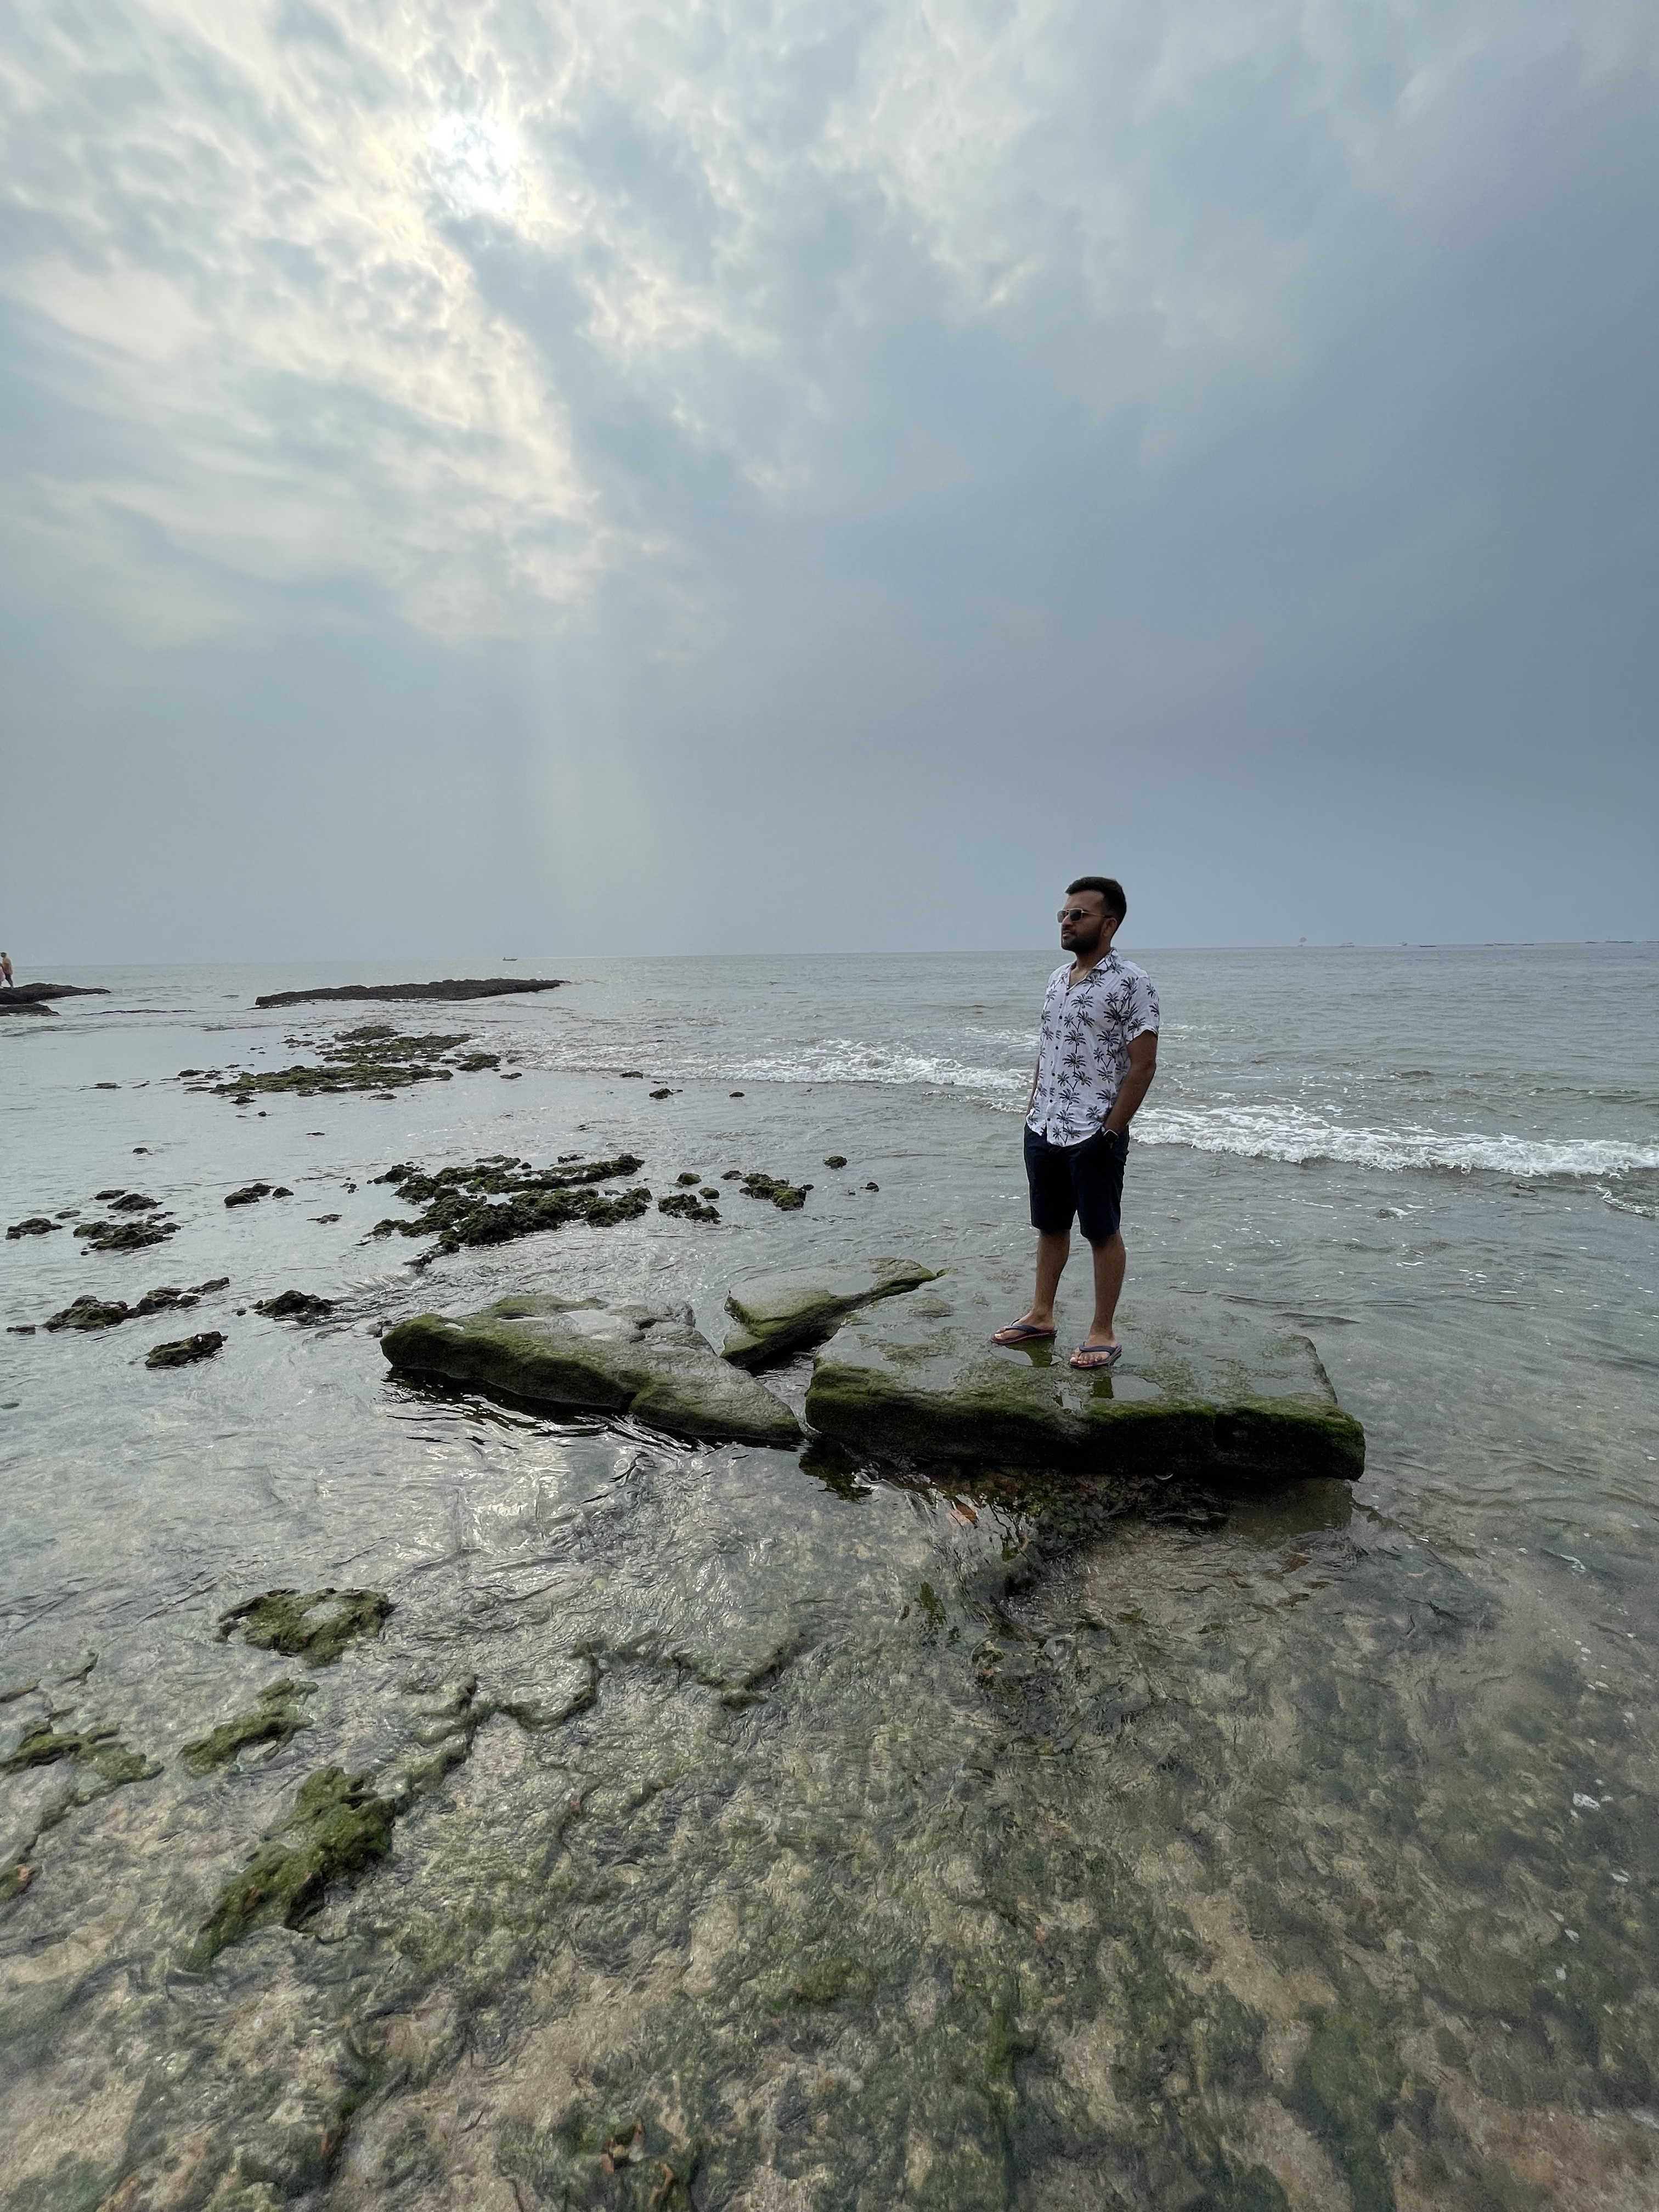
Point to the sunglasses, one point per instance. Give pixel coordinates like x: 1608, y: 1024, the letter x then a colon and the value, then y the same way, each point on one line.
x: 1073, y: 914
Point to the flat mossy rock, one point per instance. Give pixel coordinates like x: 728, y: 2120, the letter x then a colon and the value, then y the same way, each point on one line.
x: 1200, y: 1389
x: 778, y: 1312
x: 647, y: 1361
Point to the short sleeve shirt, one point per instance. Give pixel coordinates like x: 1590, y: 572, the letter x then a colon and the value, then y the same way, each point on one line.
x: 1083, y: 1050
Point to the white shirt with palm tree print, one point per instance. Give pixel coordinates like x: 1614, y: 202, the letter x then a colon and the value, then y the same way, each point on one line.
x: 1083, y: 1054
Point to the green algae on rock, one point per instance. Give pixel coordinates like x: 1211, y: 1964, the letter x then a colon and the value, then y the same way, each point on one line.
x: 649, y: 1362
x: 780, y: 1313
x: 275, y: 1720
x: 788, y: 1197
x: 315, y: 1626
x: 1200, y: 1389
x: 499, y: 1199
x: 337, y: 1829
x: 375, y: 1057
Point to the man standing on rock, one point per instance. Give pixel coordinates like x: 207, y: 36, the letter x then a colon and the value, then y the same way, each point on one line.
x: 1097, y: 1057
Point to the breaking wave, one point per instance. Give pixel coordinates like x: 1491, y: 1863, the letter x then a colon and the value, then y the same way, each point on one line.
x: 1272, y: 1130
x: 1292, y: 1134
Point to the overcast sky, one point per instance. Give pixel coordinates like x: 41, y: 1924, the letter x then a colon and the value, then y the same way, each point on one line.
x: 576, y: 476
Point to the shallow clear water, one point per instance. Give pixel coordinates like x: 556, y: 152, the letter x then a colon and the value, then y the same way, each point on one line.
x: 864, y: 1839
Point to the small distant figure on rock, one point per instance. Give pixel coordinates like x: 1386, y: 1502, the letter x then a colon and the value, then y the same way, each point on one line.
x: 1095, y: 1061
x: 5, y: 972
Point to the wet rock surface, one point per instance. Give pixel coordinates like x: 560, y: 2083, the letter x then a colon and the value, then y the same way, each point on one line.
x: 1200, y: 1389
x: 36, y: 1226
x: 780, y: 1313
x: 468, y: 987
x: 648, y: 1362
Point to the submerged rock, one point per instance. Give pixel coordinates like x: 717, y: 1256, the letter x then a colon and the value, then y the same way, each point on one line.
x: 337, y: 1829
x: 36, y: 1226
x: 315, y: 1626
x: 276, y: 1720
x: 649, y: 1362
x: 249, y: 1194
x: 1200, y: 1389
x: 778, y: 1312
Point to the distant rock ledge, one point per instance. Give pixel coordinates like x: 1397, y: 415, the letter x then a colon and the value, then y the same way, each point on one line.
x: 30, y: 998
x: 464, y: 987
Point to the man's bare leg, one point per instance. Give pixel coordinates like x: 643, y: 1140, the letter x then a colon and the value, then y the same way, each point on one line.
x: 1110, y: 1259
x: 1052, y: 1252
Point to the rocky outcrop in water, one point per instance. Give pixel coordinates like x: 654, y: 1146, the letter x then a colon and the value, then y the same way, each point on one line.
x: 466, y: 986
x: 185, y: 1350
x: 126, y: 1235
x: 1202, y: 1389
x: 27, y: 992
x: 294, y: 1305
x: 648, y: 1362
x: 31, y: 998
x: 88, y: 1312
x: 780, y: 1313
x: 498, y: 1198
x: 375, y: 1058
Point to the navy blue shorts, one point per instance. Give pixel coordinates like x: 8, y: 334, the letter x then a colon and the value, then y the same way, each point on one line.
x: 1085, y: 1180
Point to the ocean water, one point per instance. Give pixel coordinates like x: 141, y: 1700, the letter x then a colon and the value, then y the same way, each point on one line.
x: 772, y: 1838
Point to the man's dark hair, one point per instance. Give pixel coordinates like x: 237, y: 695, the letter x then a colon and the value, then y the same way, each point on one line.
x: 1110, y: 889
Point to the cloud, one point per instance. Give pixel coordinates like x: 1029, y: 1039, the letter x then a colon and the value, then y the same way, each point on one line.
x: 450, y: 304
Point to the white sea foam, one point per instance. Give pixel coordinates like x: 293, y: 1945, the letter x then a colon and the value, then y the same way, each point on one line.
x: 845, y: 1059
x: 1271, y: 1130
x: 1291, y: 1133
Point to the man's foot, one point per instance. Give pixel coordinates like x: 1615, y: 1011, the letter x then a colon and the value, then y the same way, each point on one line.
x: 1097, y: 1355
x: 1025, y: 1332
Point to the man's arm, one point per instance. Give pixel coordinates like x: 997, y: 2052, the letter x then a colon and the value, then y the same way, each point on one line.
x: 1031, y: 1101
x: 1143, y: 1067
